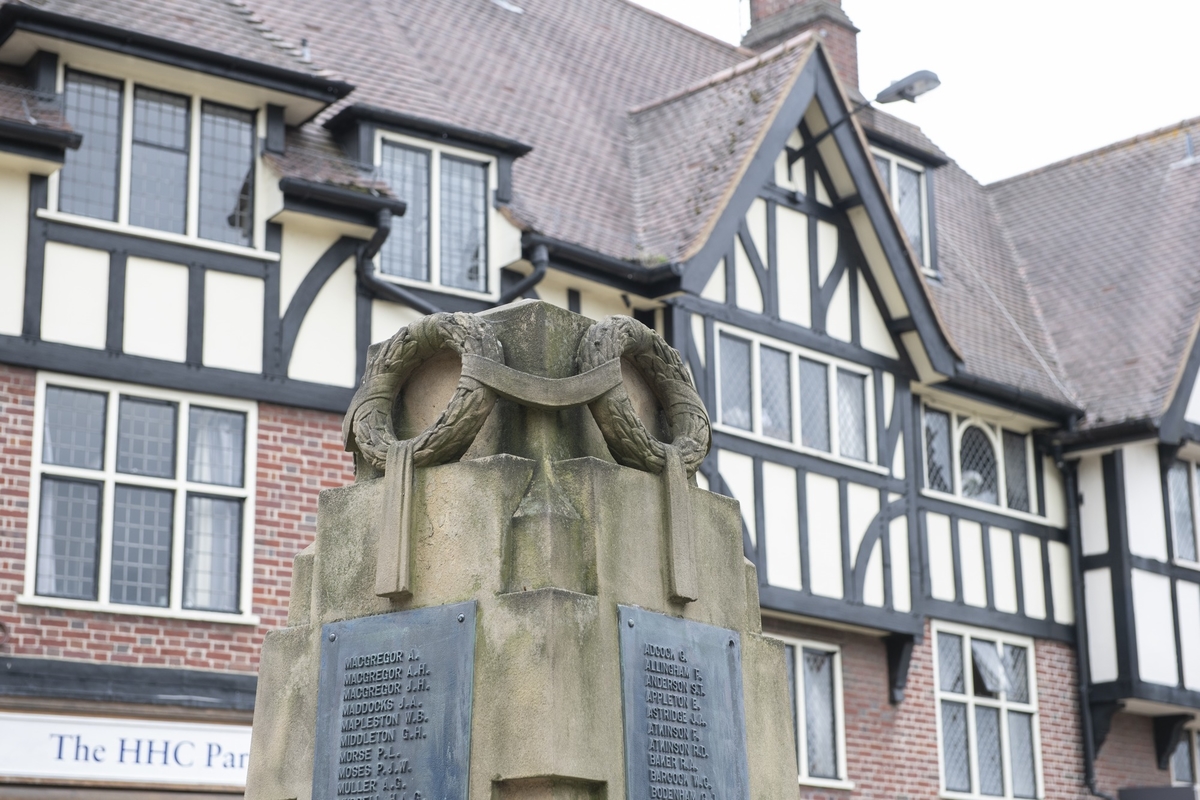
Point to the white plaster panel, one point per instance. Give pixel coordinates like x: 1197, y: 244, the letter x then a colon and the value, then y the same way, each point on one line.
x: 1004, y: 573
x: 881, y: 270
x: 387, y: 318
x: 233, y: 322
x: 749, y: 293
x: 702, y: 481
x: 822, y: 192
x: 1144, y: 501
x: 699, y: 341
x: 1093, y: 521
x: 1187, y: 594
x: 901, y: 585
x: 1192, y: 412
x: 75, y: 295
x: 782, y: 523
x: 862, y: 505
x: 504, y: 239
x: 873, y: 594
x: 598, y: 303
x: 715, y: 288
x: 941, y: 557
x: 791, y: 265
x: 756, y: 221
x: 325, y: 346
x: 552, y: 292
x: 1056, y: 494
x: 824, y: 535
x: 872, y: 328
x: 898, y: 457
x: 970, y: 553
x: 301, y: 247
x: 1061, y: 592
x: 827, y: 249
x: 1032, y: 584
x: 1154, y: 626
x: 837, y: 316
x: 737, y: 471
x: 14, y: 206
x: 1102, y: 630
x: 156, y: 309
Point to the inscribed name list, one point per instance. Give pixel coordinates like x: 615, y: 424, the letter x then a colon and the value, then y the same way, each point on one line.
x: 394, y: 706
x: 682, y: 696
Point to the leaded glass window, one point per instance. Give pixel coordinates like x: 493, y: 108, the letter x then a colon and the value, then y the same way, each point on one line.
x: 406, y: 251
x: 814, y: 404
x: 87, y: 183
x: 852, y: 415
x: 108, y: 462
x: 1183, y: 769
x: 1016, y: 470
x: 776, y: 381
x: 988, y: 714
x: 977, y: 466
x: 735, y: 382
x: 226, y: 174
x: 814, y: 680
x: 158, y: 179
x: 1179, y: 496
x: 992, y: 463
x: 938, y: 458
x: 464, y: 224
x: 909, y: 206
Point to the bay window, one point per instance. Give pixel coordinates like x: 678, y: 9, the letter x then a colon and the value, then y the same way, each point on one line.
x: 142, y: 500
x: 150, y: 148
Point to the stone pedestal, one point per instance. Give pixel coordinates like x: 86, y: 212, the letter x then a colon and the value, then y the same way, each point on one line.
x: 547, y: 535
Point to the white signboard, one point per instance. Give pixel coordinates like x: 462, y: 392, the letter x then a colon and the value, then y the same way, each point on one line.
x: 123, y: 750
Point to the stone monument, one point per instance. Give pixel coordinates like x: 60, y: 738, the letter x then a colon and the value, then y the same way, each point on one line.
x: 524, y: 594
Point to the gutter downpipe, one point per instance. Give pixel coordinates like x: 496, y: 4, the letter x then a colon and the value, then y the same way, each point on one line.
x: 541, y: 262
x: 1070, y: 475
x: 366, y: 273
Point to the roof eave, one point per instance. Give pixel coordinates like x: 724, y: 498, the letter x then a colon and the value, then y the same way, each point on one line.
x: 15, y: 18
x: 352, y: 114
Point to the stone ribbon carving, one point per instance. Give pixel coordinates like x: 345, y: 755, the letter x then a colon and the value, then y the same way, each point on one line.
x: 368, y: 427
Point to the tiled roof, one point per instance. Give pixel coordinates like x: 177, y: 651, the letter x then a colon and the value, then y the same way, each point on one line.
x: 225, y: 26
x: 689, y: 150
x: 21, y: 104
x: 561, y: 76
x: 1109, y: 241
x: 309, y: 155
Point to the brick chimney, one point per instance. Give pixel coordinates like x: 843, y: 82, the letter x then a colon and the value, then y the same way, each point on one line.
x: 773, y: 22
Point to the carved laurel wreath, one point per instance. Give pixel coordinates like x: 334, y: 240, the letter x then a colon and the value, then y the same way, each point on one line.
x: 628, y: 440
x: 369, y: 420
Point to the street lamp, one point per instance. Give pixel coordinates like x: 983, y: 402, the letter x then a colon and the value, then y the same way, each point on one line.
x: 909, y: 88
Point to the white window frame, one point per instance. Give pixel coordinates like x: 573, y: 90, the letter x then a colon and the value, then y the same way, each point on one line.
x: 108, y: 478
x: 435, y: 152
x: 893, y: 189
x: 959, y: 422
x: 971, y: 701
x: 1194, y: 498
x: 191, y: 236
x: 794, y: 352
x: 842, y: 781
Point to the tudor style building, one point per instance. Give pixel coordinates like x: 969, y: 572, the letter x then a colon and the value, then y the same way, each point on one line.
x: 968, y: 488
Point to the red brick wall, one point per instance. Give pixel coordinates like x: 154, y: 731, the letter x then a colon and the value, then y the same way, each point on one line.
x: 891, y: 751
x: 299, y: 453
x: 841, y: 43
x: 1127, y: 756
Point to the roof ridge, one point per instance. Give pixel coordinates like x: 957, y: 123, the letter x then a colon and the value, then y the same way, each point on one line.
x: 1108, y: 148
x: 685, y: 27
x: 729, y: 73
x: 260, y: 26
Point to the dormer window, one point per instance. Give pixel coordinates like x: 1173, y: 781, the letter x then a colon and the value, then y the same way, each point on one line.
x: 139, y: 165
x: 442, y: 239
x: 905, y: 182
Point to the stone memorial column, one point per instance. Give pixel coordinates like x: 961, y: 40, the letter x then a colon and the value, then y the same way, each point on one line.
x: 524, y: 594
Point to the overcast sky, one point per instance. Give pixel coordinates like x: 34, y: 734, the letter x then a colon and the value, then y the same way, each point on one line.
x: 1024, y: 82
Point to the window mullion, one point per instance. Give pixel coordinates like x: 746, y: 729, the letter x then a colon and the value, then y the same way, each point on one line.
x: 435, y: 217
x: 801, y: 713
x: 123, y: 175
x: 107, y: 496
x: 1005, y: 754
x: 972, y: 739
x: 192, y: 225
x: 179, y: 506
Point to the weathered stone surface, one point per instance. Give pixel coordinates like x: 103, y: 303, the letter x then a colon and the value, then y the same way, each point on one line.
x: 539, y: 526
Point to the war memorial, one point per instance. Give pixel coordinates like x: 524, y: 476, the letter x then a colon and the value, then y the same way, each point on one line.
x: 524, y: 594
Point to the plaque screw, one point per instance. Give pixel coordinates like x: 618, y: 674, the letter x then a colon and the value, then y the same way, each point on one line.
x: 731, y: 642
x: 333, y: 637
x: 631, y: 623
x: 462, y: 617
